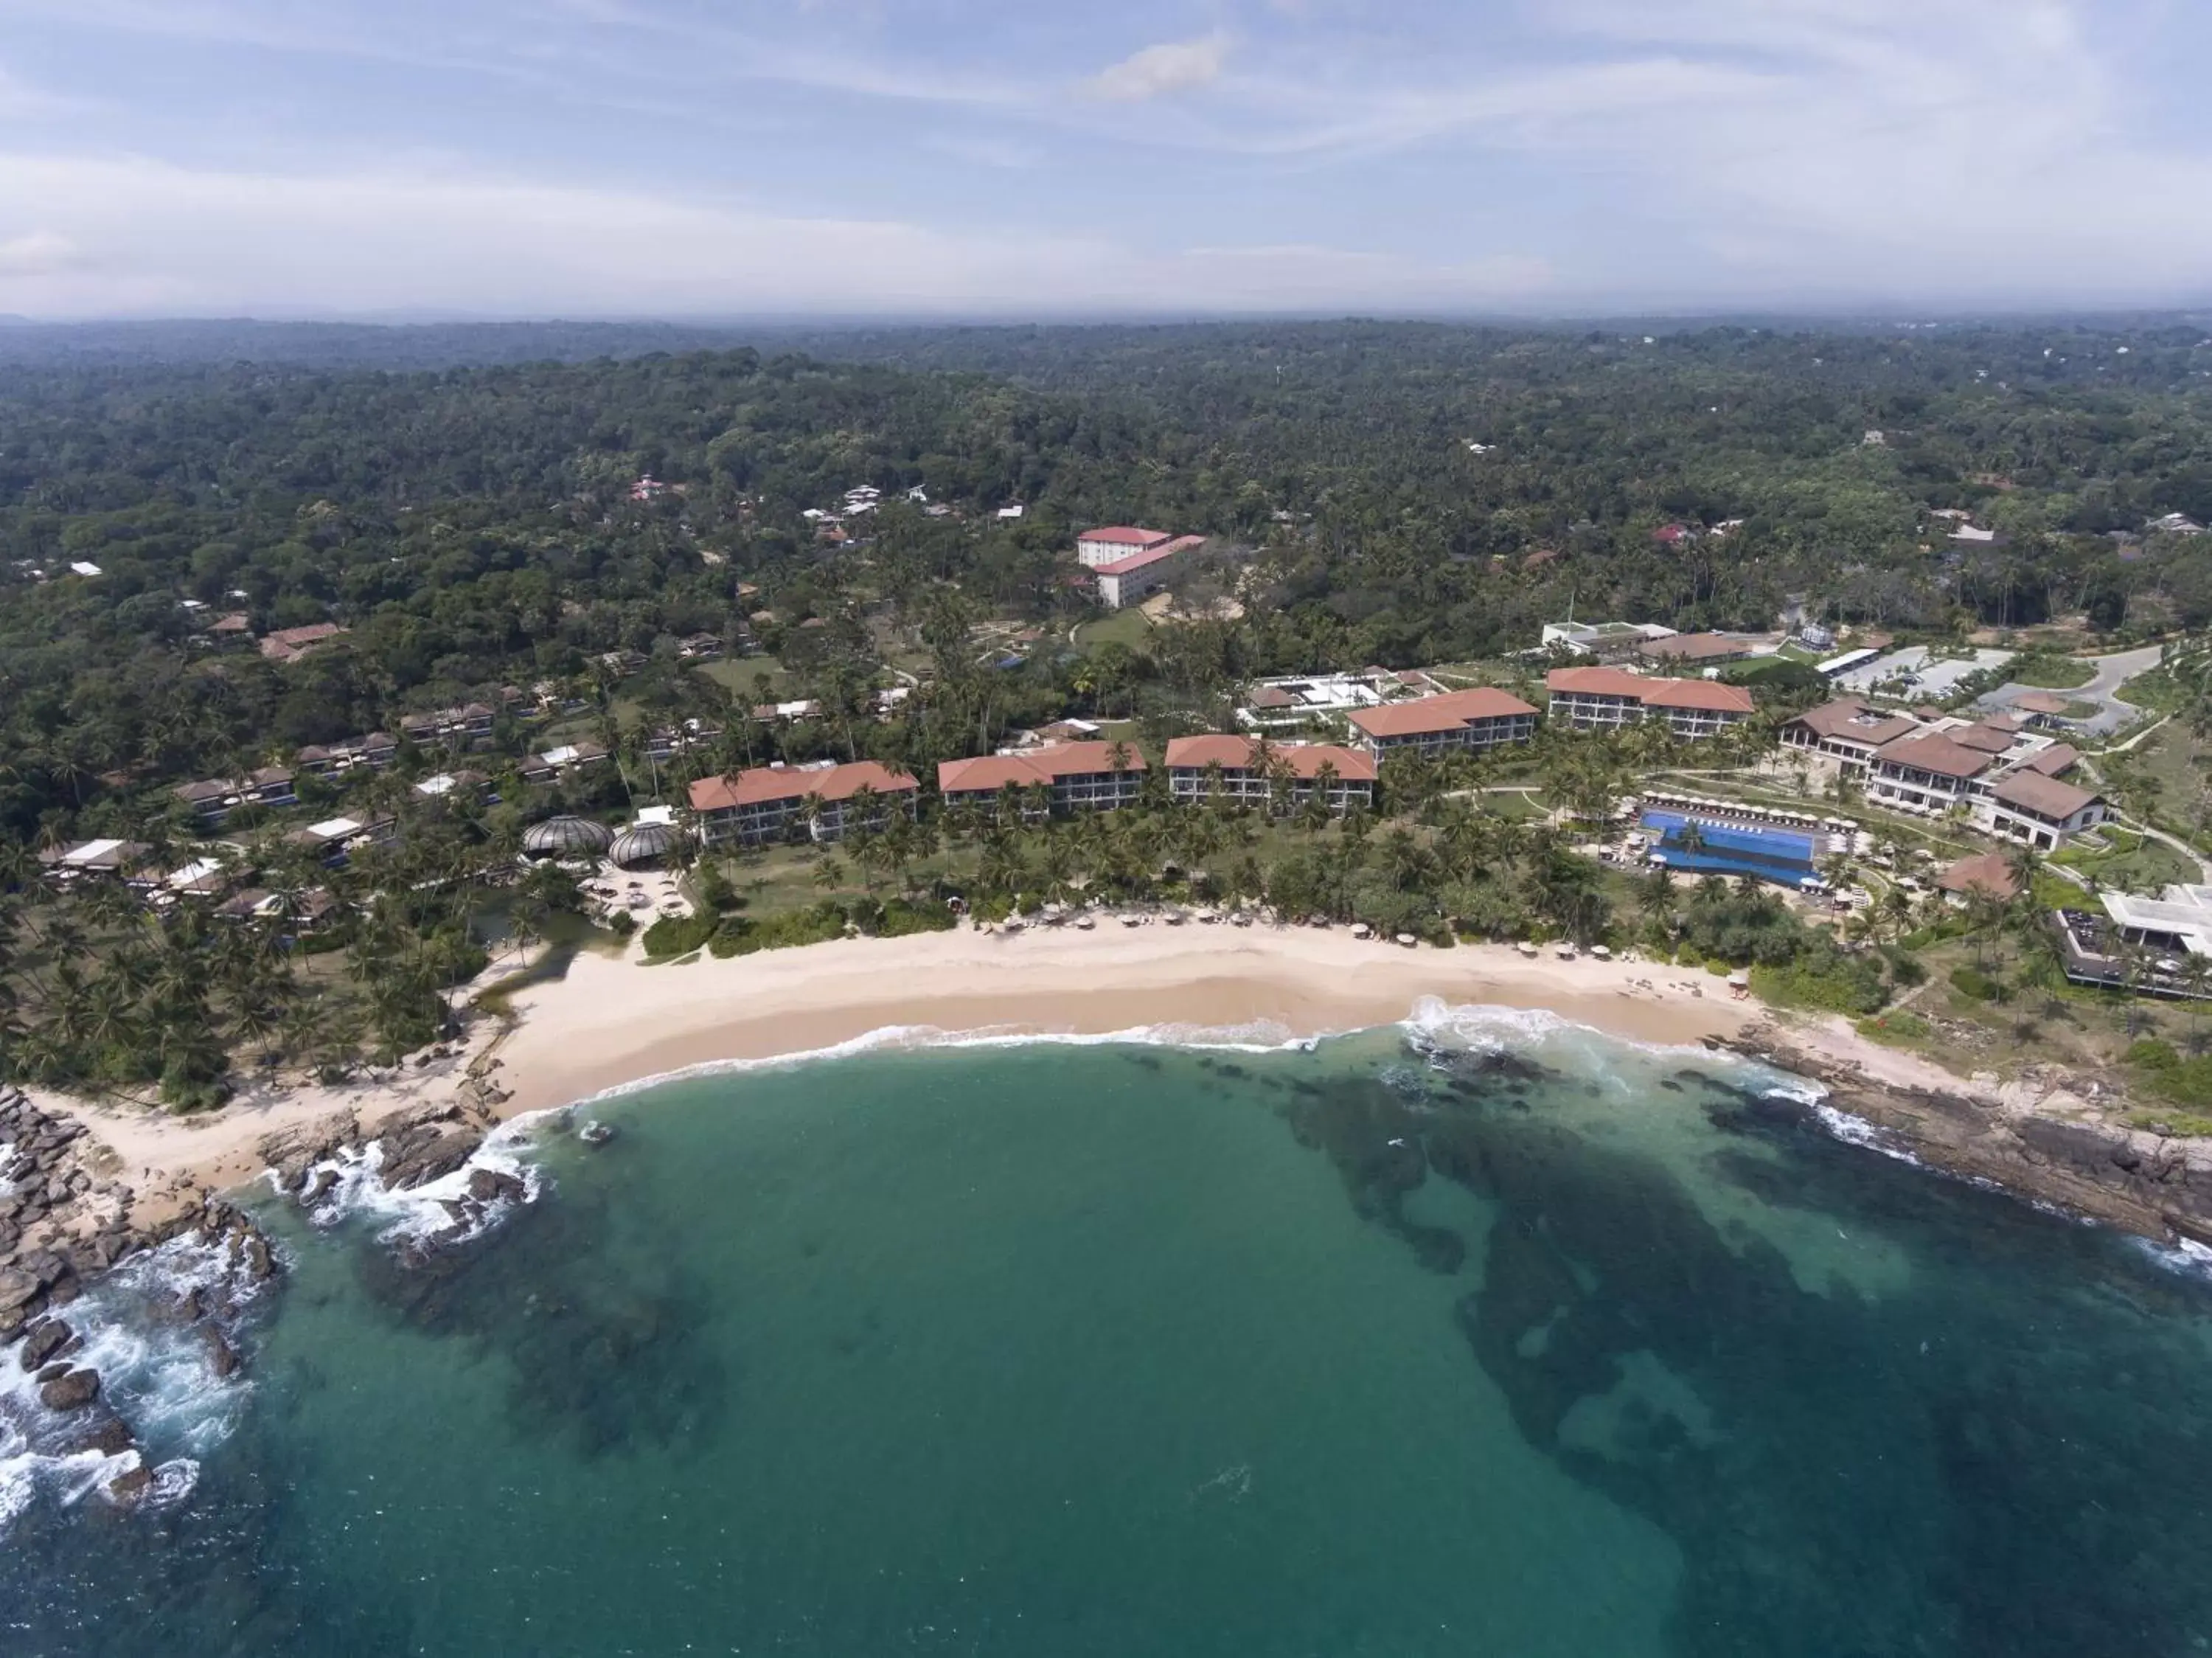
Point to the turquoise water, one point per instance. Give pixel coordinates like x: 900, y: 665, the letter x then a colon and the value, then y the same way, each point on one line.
x: 1505, y: 1340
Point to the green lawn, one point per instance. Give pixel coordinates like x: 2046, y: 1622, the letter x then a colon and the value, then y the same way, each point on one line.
x: 740, y: 674
x: 1131, y: 627
x: 2134, y: 863
x: 2052, y: 672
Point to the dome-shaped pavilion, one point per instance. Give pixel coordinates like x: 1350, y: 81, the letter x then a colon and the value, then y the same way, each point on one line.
x: 644, y: 843
x: 566, y: 837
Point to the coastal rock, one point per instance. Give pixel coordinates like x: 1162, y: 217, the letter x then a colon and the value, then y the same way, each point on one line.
x: 259, y: 1262
x: 18, y: 1288
x: 112, y: 1437
x: 222, y: 1357
x: 320, y: 1187
x: 132, y: 1484
x: 71, y: 1392
x: 43, y: 1341
x: 489, y: 1186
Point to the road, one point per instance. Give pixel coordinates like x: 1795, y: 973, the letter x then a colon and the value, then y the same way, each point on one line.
x: 2113, y: 673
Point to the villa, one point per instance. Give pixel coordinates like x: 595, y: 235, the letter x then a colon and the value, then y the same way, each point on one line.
x: 772, y: 802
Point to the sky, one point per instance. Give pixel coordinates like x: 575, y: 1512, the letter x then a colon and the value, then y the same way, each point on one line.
x: 981, y: 158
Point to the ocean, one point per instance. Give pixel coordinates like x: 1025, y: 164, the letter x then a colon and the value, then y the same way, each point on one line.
x: 1480, y: 1335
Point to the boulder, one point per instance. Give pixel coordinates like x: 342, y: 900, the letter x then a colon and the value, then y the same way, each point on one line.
x: 18, y: 1288
x: 489, y: 1186
x: 259, y: 1262
x: 132, y: 1484
x: 110, y: 1437
x: 222, y: 1357
x: 320, y: 1187
x: 43, y: 1341
x: 72, y: 1392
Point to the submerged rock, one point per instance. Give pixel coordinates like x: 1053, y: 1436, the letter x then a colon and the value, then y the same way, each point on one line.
x: 222, y: 1357
x: 132, y: 1484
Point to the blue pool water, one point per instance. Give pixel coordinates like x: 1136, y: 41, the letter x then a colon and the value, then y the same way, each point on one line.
x: 1775, y: 854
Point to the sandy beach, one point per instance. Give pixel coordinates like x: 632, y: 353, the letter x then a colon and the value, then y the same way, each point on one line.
x: 613, y: 1020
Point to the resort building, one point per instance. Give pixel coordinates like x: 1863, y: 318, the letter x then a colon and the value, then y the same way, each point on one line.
x: 375, y: 751
x: 216, y: 798
x: 1282, y: 775
x: 1699, y: 649
x: 778, y: 802
x: 1481, y: 719
x: 1128, y: 580
x: 1848, y: 731
x: 336, y: 840
x: 1928, y: 773
x: 1607, y: 698
x: 450, y: 728
x: 544, y: 768
x: 95, y: 857
x: 1603, y: 642
x: 1097, y: 549
x: 1078, y: 776
x: 2041, y: 812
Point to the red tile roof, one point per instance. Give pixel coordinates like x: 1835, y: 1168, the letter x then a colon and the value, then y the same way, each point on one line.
x: 770, y: 783
x: 1988, y: 872
x: 1598, y: 681
x: 1981, y: 738
x: 1125, y: 535
x: 2032, y: 791
x: 1842, y: 719
x: 1652, y: 692
x: 1234, y: 753
x: 1710, y: 695
x: 1444, y: 713
x: 1935, y: 753
x: 989, y: 773
x: 2054, y: 761
x: 1151, y: 556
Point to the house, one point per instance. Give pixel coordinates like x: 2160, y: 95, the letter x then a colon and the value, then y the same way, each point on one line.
x: 2042, y: 812
x: 699, y: 648
x: 1673, y: 535
x: 1097, y: 549
x: 544, y: 768
x: 775, y: 803
x: 1847, y: 731
x: 1607, y: 642
x: 1478, y: 719
x: 289, y: 644
x: 468, y: 727
x: 666, y: 743
x: 466, y: 784
x: 1698, y: 650
x: 2041, y: 708
x: 232, y: 631
x: 375, y: 751
x: 335, y: 840
x: 1080, y: 777
x: 1280, y: 775
x: 1128, y: 580
x: 1607, y: 699
x: 215, y: 799
x: 95, y: 857
x: 2175, y: 523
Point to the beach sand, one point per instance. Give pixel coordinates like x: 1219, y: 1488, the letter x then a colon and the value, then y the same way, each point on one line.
x: 612, y: 1020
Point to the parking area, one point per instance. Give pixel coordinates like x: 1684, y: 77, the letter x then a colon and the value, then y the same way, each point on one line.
x: 1911, y: 672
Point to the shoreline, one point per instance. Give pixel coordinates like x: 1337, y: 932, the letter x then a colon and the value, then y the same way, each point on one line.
x: 611, y: 1023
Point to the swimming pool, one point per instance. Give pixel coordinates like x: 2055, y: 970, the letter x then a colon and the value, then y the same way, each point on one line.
x: 1781, y: 856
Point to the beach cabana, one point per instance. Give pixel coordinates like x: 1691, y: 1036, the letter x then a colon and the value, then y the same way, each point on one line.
x: 644, y: 843
x: 566, y: 838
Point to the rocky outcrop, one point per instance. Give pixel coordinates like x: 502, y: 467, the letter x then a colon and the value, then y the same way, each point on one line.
x: 43, y: 1341
x: 132, y: 1484
x: 2041, y: 1141
x: 71, y: 1391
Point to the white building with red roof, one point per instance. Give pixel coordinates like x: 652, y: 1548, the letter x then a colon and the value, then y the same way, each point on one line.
x: 1607, y: 698
x: 775, y: 803
x: 1096, y: 549
x: 1126, y: 581
x: 1482, y: 718
x: 1078, y: 776
x: 1280, y: 775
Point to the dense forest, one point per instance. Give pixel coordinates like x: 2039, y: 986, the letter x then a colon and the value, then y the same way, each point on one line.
x: 473, y: 526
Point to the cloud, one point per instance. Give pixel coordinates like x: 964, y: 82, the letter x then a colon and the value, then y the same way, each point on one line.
x: 135, y: 236
x: 1172, y: 66
x: 39, y: 253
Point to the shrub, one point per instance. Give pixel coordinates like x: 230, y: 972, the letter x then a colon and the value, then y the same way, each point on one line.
x: 2152, y: 1054
x: 675, y: 936
x: 1969, y: 981
x: 1894, y: 1027
x: 1905, y: 969
x: 1826, y: 981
